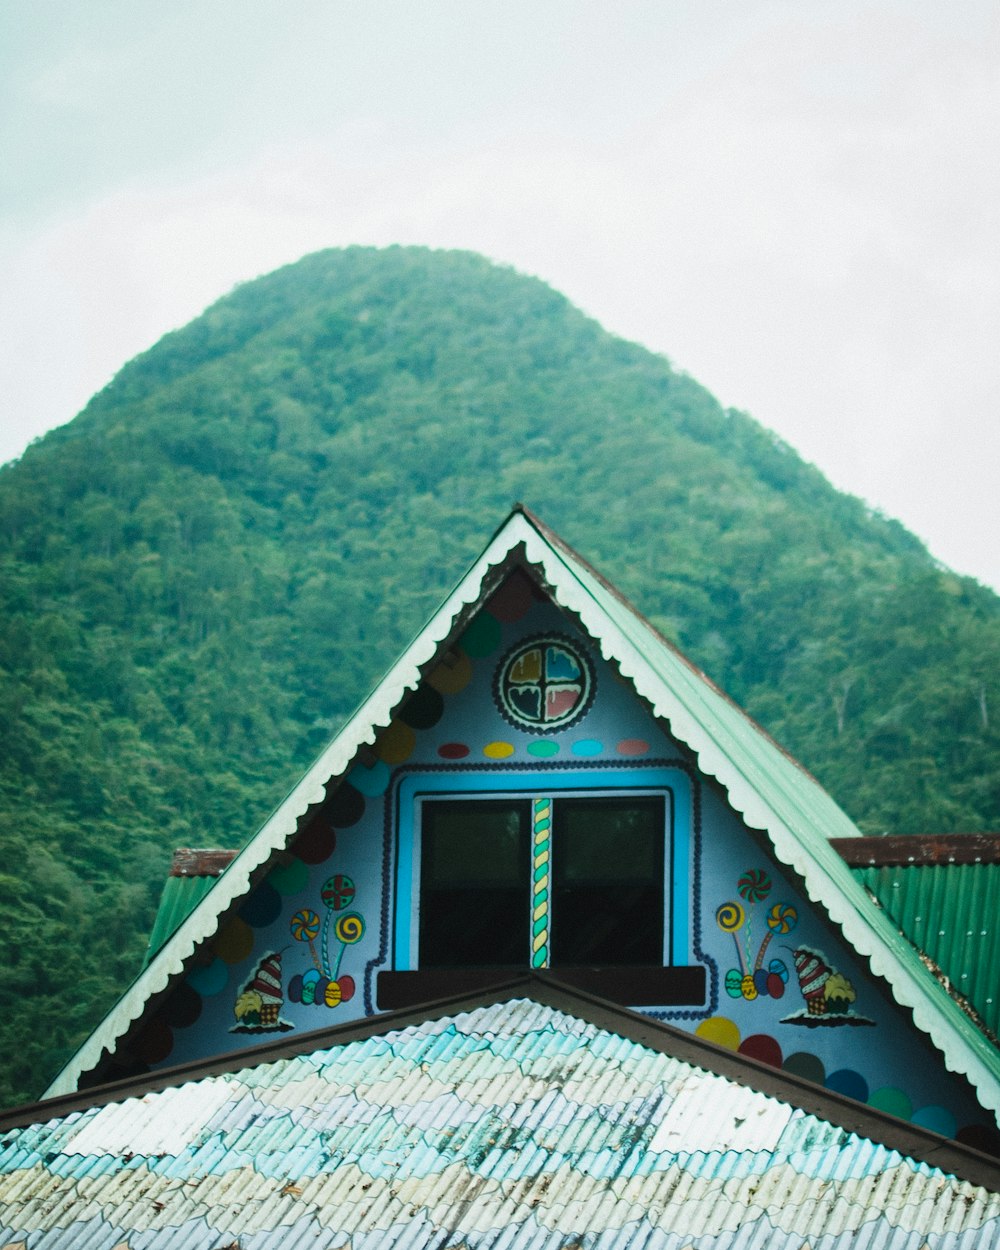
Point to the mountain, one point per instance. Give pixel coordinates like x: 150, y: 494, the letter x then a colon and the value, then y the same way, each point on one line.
x: 202, y: 574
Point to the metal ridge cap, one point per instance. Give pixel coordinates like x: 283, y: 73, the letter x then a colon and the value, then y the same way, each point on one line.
x: 919, y: 849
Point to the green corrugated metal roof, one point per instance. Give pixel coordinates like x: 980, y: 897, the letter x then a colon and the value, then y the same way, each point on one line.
x: 179, y: 898
x: 951, y: 912
x: 772, y: 792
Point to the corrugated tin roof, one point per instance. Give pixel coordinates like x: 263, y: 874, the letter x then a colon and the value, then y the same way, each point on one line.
x: 512, y: 1124
x: 772, y: 792
x: 192, y: 875
x: 951, y: 912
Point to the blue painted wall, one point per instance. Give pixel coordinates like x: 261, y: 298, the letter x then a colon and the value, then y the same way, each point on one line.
x: 305, y: 949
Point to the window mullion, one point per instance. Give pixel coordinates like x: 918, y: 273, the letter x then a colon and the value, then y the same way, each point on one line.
x: 541, y: 894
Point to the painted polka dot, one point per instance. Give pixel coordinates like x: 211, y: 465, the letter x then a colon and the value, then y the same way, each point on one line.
x: 423, y: 709
x: 980, y: 1137
x: 234, y: 941
x: 513, y: 599
x: 452, y: 675
x: 807, y: 1066
x: 892, y: 1101
x: 317, y: 843
x: 453, y: 750
x: 262, y: 907
x: 345, y: 806
x: 763, y: 1047
x: 721, y: 1031
x: 289, y: 878
x: 372, y: 781
x: 209, y: 980
x: 543, y: 749
x: 395, y: 745
x: 482, y: 637
x: 182, y: 1008
x: 498, y: 750
x: 937, y: 1119
x: 849, y: 1083
x: 155, y: 1044
x: 587, y: 746
x: 632, y: 746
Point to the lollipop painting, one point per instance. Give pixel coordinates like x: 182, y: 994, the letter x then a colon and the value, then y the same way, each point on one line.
x: 753, y: 978
x: 323, y: 985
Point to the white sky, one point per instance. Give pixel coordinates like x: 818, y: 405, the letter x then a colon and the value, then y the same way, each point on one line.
x: 797, y: 201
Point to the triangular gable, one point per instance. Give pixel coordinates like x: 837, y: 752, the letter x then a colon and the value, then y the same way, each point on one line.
x: 533, y: 1111
x: 773, y: 793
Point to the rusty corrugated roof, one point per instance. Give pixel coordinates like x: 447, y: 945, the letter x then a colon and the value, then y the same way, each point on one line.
x: 512, y: 1124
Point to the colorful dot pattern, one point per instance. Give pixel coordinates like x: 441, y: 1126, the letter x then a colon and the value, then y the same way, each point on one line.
x: 766, y: 1049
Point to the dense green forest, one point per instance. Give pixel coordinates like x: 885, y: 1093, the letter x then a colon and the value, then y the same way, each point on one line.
x: 209, y: 567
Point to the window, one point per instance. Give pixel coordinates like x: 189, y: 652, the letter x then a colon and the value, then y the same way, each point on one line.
x: 584, y: 871
x: 601, y: 897
x: 607, y: 881
x: 474, y: 871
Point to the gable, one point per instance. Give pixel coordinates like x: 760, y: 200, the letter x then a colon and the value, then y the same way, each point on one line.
x: 534, y: 1116
x: 536, y: 689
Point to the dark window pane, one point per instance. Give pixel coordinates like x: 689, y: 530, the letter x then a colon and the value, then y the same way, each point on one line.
x: 607, y: 870
x: 475, y: 879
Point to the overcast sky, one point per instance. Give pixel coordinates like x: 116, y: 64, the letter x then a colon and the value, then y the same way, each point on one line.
x: 797, y: 202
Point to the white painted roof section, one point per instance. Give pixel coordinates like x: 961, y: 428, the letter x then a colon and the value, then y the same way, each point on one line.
x: 771, y: 791
x: 512, y: 1124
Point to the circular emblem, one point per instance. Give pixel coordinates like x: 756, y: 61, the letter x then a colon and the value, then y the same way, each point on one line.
x: 544, y: 684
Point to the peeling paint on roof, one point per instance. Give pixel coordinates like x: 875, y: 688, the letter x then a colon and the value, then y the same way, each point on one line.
x: 513, y: 1124
x: 763, y: 783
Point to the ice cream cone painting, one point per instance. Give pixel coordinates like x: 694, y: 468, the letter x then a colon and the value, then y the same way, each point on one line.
x: 829, y: 996
x: 258, y: 1005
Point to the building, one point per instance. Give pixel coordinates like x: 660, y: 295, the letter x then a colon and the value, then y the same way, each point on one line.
x: 551, y: 946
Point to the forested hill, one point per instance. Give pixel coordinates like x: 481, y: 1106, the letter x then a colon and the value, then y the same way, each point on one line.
x: 207, y: 569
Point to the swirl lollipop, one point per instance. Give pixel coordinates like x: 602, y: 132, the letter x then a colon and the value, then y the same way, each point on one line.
x: 730, y: 918
x: 350, y: 928
x: 781, y: 918
x: 304, y: 927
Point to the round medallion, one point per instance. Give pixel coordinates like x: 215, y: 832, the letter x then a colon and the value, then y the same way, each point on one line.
x: 544, y: 684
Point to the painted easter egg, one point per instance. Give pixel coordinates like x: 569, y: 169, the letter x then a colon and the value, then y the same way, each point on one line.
x: 734, y: 983
x: 304, y: 925
x: 760, y: 982
x: 779, y: 968
x: 754, y: 885
x: 295, y: 989
x: 350, y: 928
x: 748, y: 988
x: 332, y: 994
x: 337, y: 892
x: 775, y: 985
x: 311, y: 983
x: 782, y: 918
x: 347, y: 989
x: 730, y: 917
